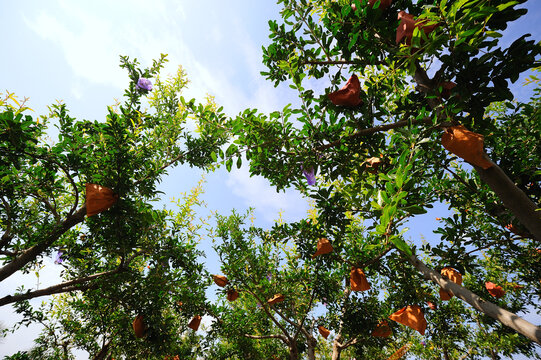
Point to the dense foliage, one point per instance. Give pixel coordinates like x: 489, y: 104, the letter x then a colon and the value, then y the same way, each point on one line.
x: 373, y: 157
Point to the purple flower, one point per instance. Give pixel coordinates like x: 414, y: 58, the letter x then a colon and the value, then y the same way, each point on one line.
x: 423, y: 343
x: 144, y: 84
x: 59, y: 259
x: 310, y: 175
x: 269, y: 276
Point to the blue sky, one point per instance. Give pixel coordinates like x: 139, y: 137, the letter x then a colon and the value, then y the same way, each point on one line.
x: 69, y: 50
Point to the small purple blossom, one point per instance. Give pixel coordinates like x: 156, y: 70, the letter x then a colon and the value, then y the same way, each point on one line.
x: 144, y: 84
x: 423, y: 343
x: 310, y: 175
x: 269, y: 276
x: 58, y: 259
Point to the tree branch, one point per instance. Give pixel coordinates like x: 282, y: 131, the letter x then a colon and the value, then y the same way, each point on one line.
x: 511, y: 196
x: 507, y: 318
x: 33, y: 252
x: 300, y: 326
x: 373, y: 130
x: 276, y: 322
x: 59, y: 288
x: 351, y: 342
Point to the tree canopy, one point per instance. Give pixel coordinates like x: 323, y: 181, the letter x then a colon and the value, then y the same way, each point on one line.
x: 403, y: 106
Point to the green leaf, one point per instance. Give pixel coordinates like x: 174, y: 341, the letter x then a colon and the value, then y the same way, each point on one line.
x: 401, y: 245
x: 415, y: 209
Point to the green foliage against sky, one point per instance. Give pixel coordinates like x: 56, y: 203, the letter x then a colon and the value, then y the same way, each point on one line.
x: 136, y: 259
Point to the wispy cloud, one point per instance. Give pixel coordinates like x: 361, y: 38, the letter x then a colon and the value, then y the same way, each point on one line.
x: 256, y: 192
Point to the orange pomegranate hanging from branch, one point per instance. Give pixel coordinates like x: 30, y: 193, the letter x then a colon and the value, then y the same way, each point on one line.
x: 411, y: 316
x: 195, y: 322
x: 349, y: 95
x: 139, y: 327
x: 98, y: 199
x: 323, y: 247
x: 382, y: 329
x: 408, y: 24
x: 323, y: 331
x: 454, y: 276
x: 357, y: 280
x: 232, y: 295
x: 467, y: 145
x: 220, y: 280
x: 494, y: 290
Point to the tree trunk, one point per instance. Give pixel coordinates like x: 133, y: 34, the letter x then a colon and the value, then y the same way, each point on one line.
x: 311, y: 351
x: 505, y: 317
x: 293, y: 351
x: 103, y: 352
x: 32, y: 253
x: 513, y: 198
x: 445, y: 355
x: 336, y: 350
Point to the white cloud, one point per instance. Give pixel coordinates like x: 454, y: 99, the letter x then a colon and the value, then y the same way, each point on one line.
x: 257, y: 192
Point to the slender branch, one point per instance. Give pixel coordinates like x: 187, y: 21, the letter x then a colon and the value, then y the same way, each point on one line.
x: 351, y: 342
x: 9, y: 299
x: 161, y: 168
x: 459, y: 178
x: 377, y: 258
x: 59, y: 288
x: 276, y: 322
x: 285, y: 318
x: 314, y: 36
x: 463, y: 357
x: 375, y: 129
x: 68, y: 176
x: 32, y: 253
x: 507, y: 318
x: 51, y: 208
x: 490, y: 244
x: 103, y: 352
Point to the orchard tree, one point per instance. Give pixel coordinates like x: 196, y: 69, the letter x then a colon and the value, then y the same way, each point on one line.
x: 87, y: 200
x: 422, y: 85
x: 271, y: 295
